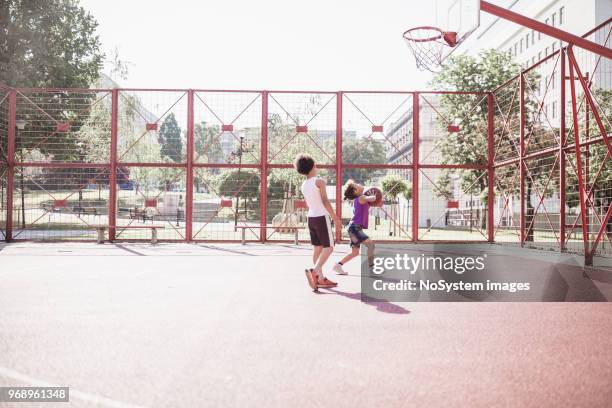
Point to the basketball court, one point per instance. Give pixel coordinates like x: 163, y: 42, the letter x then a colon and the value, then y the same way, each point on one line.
x: 142, y: 280
x: 215, y: 325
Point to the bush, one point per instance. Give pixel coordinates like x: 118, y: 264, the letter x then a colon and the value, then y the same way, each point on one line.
x: 392, y: 186
x: 245, y: 183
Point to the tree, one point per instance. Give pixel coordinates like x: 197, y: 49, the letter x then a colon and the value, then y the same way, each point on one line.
x: 363, y: 151
x: 489, y: 70
x: 207, y: 146
x: 281, y: 182
x: 207, y: 149
x: 244, y: 183
x: 240, y: 183
x: 48, y: 43
x: 170, y: 139
x: 392, y: 186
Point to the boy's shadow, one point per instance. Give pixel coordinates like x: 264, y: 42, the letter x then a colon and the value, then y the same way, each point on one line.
x: 381, y: 305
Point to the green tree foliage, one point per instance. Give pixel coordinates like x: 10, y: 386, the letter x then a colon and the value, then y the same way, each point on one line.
x: 393, y: 185
x: 169, y: 138
x: 489, y: 70
x: 466, y: 73
x: 282, y: 182
x: 207, y: 146
x: 363, y: 151
x: 244, y: 183
x: 48, y: 43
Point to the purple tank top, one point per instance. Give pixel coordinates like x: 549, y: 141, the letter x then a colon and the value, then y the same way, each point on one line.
x: 360, y: 213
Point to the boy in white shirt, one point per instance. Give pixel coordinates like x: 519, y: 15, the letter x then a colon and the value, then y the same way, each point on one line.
x: 319, y: 225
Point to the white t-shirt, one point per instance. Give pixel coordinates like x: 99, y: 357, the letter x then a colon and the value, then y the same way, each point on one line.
x: 312, y: 195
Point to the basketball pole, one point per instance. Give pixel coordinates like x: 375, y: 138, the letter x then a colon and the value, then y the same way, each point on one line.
x: 545, y: 29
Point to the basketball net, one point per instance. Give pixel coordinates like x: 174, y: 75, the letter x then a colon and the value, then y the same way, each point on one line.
x: 427, y: 44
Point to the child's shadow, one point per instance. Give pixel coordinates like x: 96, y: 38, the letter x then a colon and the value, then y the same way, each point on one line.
x: 381, y: 305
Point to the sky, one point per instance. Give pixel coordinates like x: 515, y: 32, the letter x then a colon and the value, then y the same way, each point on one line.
x: 264, y: 44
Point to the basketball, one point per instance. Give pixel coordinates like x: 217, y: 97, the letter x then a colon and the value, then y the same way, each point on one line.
x: 376, y: 192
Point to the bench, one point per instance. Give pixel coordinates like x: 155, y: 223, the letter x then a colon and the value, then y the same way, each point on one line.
x: 246, y: 227
x: 102, y: 228
x: 139, y: 213
x: 85, y: 210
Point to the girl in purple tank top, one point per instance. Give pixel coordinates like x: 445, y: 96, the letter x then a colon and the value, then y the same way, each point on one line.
x: 361, y: 206
x: 361, y: 212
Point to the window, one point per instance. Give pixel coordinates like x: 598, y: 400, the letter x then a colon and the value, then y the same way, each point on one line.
x: 539, y: 55
x: 521, y: 47
x: 510, y: 51
x: 547, y: 21
x: 554, y: 19
x: 532, y: 60
x: 540, y: 87
x: 539, y: 35
x: 553, y: 80
x: 546, y: 52
x: 554, y: 47
x: 515, y: 45
x: 532, y: 37
x: 561, y: 15
x: 527, y: 42
x: 554, y: 109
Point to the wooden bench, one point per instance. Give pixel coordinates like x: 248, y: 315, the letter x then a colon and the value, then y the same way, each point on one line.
x: 246, y: 227
x: 102, y: 228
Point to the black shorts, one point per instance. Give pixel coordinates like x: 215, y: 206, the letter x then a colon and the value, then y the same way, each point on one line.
x: 320, y: 231
x: 357, y: 235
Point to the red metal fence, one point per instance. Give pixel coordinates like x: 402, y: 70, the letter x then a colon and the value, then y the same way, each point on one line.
x: 553, y: 113
x: 212, y: 165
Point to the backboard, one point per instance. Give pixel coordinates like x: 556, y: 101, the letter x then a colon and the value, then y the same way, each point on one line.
x: 460, y: 16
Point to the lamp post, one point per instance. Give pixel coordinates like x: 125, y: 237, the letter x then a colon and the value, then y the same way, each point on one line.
x: 238, y: 193
x: 20, y: 124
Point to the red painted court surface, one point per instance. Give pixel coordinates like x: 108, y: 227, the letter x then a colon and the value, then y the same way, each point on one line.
x: 209, y: 325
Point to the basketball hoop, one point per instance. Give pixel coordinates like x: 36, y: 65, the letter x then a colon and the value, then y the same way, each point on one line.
x: 427, y: 44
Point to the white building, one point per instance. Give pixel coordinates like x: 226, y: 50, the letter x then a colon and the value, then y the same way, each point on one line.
x: 528, y: 46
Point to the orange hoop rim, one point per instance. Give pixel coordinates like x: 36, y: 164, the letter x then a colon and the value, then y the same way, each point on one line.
x: 449, y: 37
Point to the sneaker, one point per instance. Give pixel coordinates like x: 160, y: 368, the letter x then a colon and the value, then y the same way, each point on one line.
x: 323, y: 282
x: 339, y: 270
x: 312, y: 278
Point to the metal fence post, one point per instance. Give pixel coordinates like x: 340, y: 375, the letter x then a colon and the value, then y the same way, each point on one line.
x: 339, y: 163
x: 263, y: 204
x: 10, y: 184
x: 562, y: 153
x: 112, y: 180
x: 590, y: 103
x: 522, y: 157
x: 490, y: 166
x: 189, y: 176
x: 588, y: 259
x: 415, y: 166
